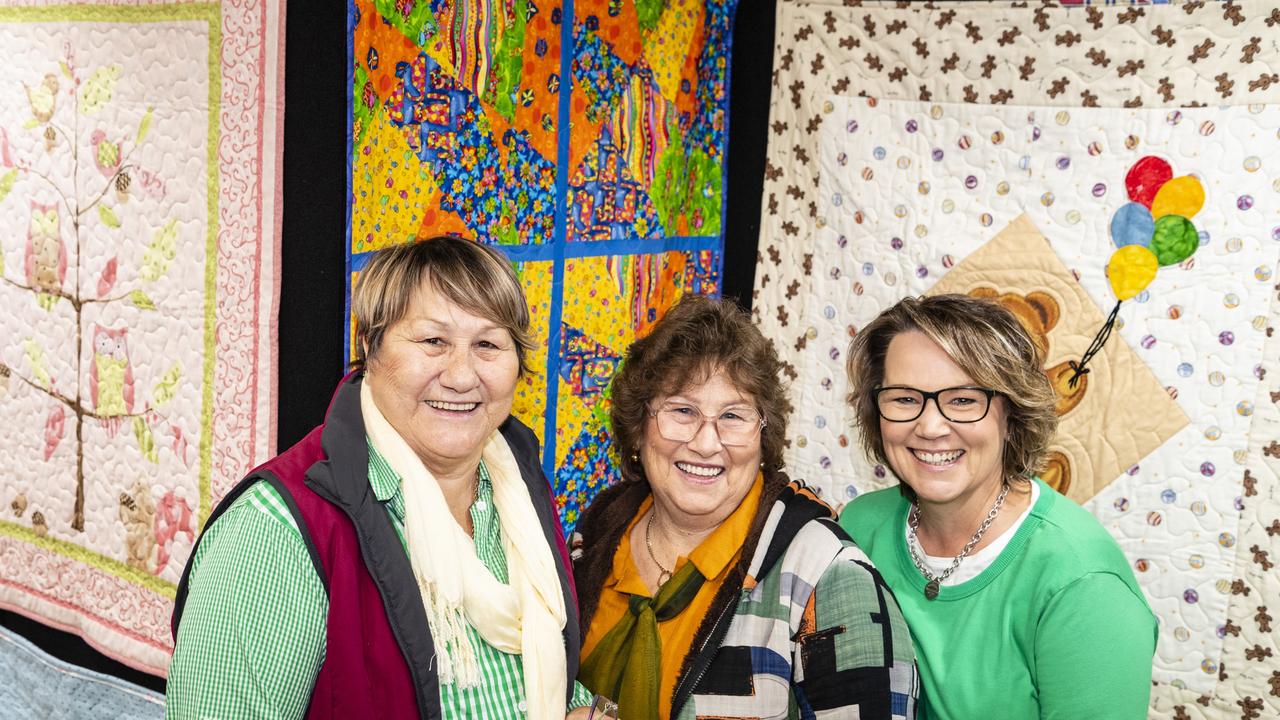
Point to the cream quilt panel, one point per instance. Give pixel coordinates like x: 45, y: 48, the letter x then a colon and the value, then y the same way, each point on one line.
x: 139, y: 154
x: 1047, y: 108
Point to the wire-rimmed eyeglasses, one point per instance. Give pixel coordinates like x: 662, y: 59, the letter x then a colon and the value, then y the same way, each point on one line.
x: 681, y: 422
x: 967, y: 404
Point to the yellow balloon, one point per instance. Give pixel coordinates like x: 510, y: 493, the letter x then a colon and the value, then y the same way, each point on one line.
x: 1182, y: 196
x: 1130, y: 270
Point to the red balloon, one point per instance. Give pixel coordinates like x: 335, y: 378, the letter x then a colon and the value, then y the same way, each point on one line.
x: 1145, y: 178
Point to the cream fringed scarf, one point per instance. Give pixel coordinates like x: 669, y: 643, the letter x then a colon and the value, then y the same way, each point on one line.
x: 525, y: 617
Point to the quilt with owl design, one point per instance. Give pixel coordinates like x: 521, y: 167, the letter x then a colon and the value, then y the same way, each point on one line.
x: 1074, y: 162
x: 139, y: 150
x: 587, y: 138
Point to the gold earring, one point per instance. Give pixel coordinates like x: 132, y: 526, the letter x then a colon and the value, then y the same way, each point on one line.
x: 635, y: 457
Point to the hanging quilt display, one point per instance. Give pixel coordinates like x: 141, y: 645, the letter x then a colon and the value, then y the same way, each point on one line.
x: 1108, y: 173
x: 587, y: 139
x: 139, y: 211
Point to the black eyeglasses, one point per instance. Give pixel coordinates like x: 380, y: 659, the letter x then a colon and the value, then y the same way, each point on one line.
x: 899, y: 403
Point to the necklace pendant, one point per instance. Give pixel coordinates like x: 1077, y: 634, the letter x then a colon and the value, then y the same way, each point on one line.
x: 931, y: 589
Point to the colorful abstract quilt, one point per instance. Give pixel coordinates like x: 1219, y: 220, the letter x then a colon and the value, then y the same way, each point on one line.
x: 1061, y: 159
x: 586, y: 138
x: 139, y: 158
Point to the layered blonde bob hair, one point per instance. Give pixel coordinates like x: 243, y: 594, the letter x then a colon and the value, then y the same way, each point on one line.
x: 475, y: 277
x: 989, y: 344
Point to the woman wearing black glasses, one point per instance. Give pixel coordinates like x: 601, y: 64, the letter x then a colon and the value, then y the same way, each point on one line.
x: 1019, y: 602
x: 709, y: 585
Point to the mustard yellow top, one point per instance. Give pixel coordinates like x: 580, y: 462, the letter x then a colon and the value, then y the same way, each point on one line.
x: 713, y: 558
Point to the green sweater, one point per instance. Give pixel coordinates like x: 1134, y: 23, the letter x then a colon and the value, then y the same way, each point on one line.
x: 1056, y: 627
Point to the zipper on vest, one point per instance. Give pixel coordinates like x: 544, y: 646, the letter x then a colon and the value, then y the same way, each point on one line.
x: 704, y: 660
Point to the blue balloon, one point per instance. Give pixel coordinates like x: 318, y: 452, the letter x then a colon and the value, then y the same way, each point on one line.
x: 1132, y: 225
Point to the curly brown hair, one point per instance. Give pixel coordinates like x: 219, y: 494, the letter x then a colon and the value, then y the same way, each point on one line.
x: 989, y: 344
x: 697, y: 337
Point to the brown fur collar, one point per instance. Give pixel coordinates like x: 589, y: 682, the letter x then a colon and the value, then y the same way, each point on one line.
x: 601, y: 529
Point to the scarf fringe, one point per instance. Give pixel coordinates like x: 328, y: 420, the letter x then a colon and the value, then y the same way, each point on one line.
x: 456, y: 661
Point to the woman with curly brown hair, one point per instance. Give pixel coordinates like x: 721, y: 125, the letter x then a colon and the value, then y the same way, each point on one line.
x: 709, y: 584
x: 1020, y: 604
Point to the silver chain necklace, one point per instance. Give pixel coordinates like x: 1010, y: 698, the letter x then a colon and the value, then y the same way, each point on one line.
x: 935, y: 582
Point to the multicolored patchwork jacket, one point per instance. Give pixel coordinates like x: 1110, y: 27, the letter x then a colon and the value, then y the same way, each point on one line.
x: 803, y: 626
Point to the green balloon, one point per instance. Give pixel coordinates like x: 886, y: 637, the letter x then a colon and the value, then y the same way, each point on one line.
x: 1174, y: 240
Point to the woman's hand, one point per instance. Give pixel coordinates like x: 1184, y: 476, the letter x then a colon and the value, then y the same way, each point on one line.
x: 601, y: 708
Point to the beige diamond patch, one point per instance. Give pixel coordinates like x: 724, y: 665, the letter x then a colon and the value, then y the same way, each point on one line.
x: 1114, y: 416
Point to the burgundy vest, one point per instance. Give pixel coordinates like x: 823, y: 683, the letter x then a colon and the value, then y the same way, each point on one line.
x: 379, y: 656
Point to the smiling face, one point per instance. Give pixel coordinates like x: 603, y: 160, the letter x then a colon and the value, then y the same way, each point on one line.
x: 444, y: 379
x: 699, y: 483
x: 944, y: 462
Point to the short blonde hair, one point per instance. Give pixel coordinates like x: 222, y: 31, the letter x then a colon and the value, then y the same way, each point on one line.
x: 476, y: 277
x: 989, y: 344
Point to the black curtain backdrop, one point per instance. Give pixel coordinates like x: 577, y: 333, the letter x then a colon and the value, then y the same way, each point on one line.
x: 751, y: 79
x: 313, y: 283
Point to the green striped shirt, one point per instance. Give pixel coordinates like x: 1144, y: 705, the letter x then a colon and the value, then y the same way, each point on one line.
x: 252, y: 637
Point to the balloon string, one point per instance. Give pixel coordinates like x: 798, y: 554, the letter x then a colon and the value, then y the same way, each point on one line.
x: 1079, y: 369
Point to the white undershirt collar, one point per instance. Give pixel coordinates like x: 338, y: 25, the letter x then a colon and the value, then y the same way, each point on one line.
x: 973, y: 565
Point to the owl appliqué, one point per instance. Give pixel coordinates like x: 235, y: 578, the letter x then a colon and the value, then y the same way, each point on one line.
x: 111, y: 376
x: 45, y: 260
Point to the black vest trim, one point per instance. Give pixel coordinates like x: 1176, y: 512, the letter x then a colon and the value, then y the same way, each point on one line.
x: 343, y: 480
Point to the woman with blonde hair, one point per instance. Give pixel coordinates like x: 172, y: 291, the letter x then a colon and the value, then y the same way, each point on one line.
x: 1019, y: 602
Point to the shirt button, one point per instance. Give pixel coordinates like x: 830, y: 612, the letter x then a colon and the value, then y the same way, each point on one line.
x: 522, y: 707
x: 481, y: 505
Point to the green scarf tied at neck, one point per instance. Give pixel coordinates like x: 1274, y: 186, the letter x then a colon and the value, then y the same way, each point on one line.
x: 626, y: 665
